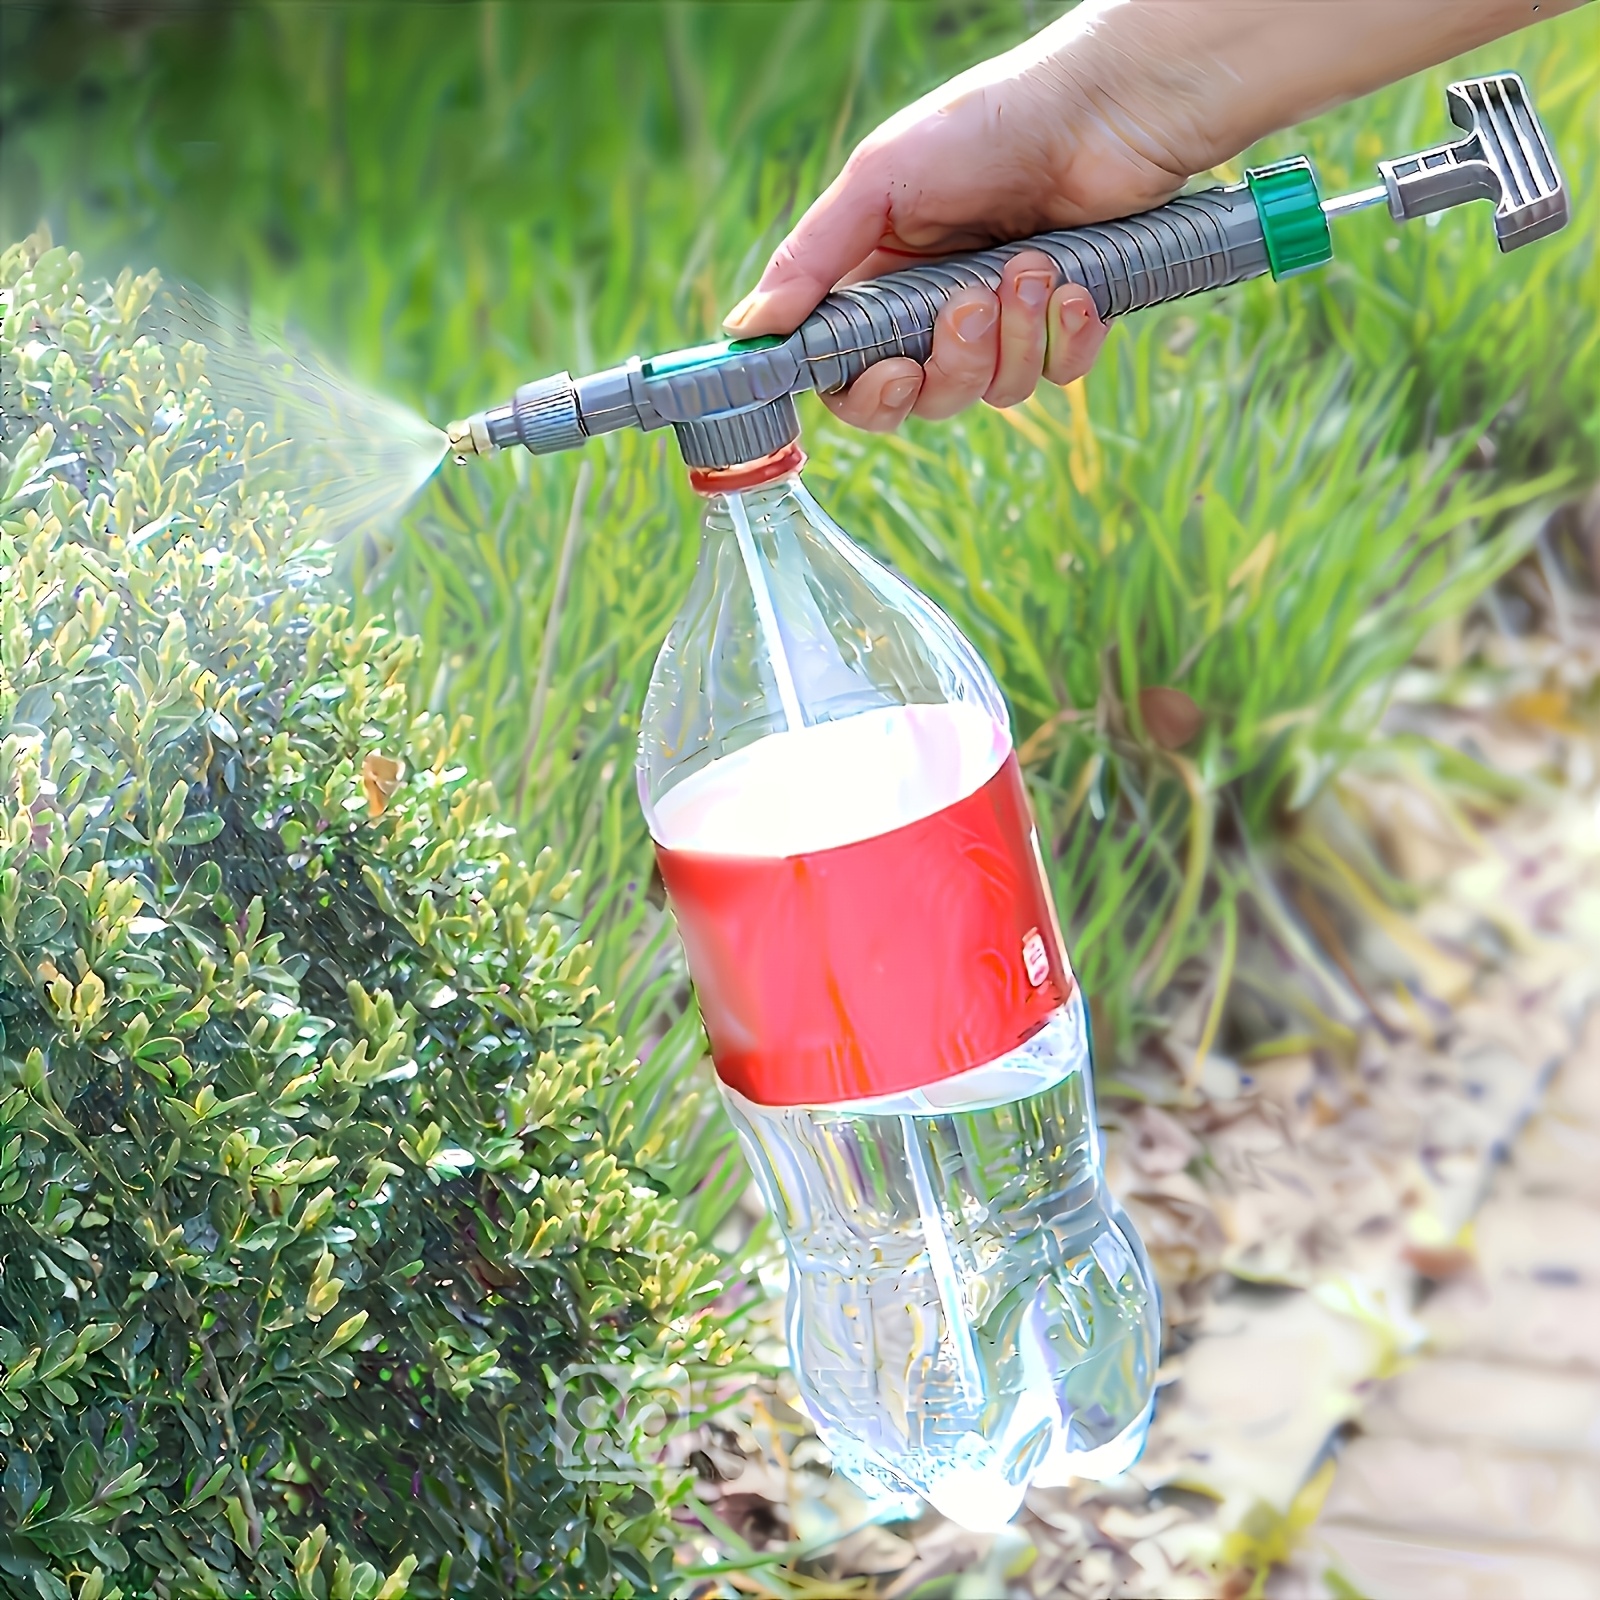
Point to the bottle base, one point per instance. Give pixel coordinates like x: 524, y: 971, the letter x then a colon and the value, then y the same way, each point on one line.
x: 967, y: 1487
x: 1108, y: 1460
x: 976, y: 1497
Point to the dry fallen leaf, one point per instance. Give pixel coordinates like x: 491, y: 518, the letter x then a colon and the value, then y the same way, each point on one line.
x: 1159, y: 1144
x: 1438, y: 1261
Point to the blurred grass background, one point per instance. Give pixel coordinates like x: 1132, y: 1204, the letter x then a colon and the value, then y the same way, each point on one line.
x: 1264, y: 500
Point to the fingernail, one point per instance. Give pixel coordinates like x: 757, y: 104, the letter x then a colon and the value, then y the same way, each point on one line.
x: 745, y: 309
x: 896, y: 393
x: 1071, y: 320
x: 1073, y: 316
x: 972, y: 322
x: 1034, y: 289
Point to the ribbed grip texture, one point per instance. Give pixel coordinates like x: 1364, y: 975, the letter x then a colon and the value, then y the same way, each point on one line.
x: 545, y: 415
x: 1196, y: 242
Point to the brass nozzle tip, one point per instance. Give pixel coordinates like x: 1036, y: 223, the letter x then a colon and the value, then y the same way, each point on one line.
x: 469, y: 437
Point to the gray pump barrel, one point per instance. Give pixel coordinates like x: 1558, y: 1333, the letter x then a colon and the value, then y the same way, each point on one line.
x: 1194, y: 243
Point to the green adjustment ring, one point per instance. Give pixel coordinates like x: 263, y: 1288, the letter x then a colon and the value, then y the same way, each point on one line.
x: 704, y: 355
x: 1292, y: 222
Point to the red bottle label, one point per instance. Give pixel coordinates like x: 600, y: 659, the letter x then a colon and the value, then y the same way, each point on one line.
x: 874, y: 967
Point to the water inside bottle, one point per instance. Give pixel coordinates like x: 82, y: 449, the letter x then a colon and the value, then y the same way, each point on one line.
x: 967, y: 1310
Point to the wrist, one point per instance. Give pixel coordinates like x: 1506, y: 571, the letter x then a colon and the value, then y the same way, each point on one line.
x: 1200, y: 80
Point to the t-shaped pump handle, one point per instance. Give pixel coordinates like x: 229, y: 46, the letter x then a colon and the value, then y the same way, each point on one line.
x: 733, y: 403
x: 1505, y: 158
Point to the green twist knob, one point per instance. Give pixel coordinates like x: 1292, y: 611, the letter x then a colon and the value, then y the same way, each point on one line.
x: 1292, y: 223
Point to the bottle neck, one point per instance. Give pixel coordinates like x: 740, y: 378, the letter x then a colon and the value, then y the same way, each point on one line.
x: 770, y: 469
x: 759, y: 503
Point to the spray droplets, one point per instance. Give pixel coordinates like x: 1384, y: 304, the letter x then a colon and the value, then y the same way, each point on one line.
x: 353, y: 458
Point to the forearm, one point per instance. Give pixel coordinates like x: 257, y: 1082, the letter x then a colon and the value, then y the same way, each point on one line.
x: 1250, y: 67
x: 1110, y: 110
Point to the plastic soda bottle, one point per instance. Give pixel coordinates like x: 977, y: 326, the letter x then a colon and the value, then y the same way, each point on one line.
x: 827, y: 770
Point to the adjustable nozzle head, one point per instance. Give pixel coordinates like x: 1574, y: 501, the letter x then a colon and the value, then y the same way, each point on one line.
x: 1506, y: 157
x: 542, y: 416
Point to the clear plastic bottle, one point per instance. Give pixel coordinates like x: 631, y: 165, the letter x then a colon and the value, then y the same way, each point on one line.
x: 827, y: 770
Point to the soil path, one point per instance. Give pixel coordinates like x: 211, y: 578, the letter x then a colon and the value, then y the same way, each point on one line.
x: 1477, y: 1471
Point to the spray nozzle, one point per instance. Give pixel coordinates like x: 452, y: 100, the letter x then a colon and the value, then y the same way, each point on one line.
x: 467, y: 440
x: 730, y: 403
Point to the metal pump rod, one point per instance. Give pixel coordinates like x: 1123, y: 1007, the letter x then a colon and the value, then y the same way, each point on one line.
x: 1343, y: 204
x: 731, y: 402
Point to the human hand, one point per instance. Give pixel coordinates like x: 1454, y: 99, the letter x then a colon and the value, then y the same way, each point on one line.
x: 1105, y: 113
x: 1032, y: 140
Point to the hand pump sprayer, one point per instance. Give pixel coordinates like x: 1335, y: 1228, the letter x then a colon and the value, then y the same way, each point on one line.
x: 729, y: 399
x: 827, y: 770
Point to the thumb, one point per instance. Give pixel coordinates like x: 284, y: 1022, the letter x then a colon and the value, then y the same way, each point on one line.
x: 842, y: 227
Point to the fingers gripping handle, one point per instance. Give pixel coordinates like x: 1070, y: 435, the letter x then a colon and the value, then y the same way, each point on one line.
x: 1196, y: 242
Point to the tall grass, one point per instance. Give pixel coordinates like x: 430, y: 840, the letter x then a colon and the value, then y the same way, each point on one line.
x: 1278, y: 575
x: 1261, y: 501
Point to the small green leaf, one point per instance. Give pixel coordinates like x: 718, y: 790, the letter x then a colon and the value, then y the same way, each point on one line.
x: 19, y: 1483
x: 96, y: 1337
x: 209, y: 1487
x: 44, y: 918
x: 50, y: 1587
x: 79, y: 1472
x: 238, y: 1523
x: 397, y: 1584
x: 157, y: 1069
x: 188, y: 1021
x: 124, y: 1484
x: 344, y: 1333
x: 201, y: 828
x: 204, y: 882
x: 307, y: 1555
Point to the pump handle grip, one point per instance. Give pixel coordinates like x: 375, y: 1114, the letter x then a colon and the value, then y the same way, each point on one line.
x: 1194, y: 243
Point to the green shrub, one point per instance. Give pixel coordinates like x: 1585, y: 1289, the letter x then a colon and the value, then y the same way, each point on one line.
x: 308, y: 1192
